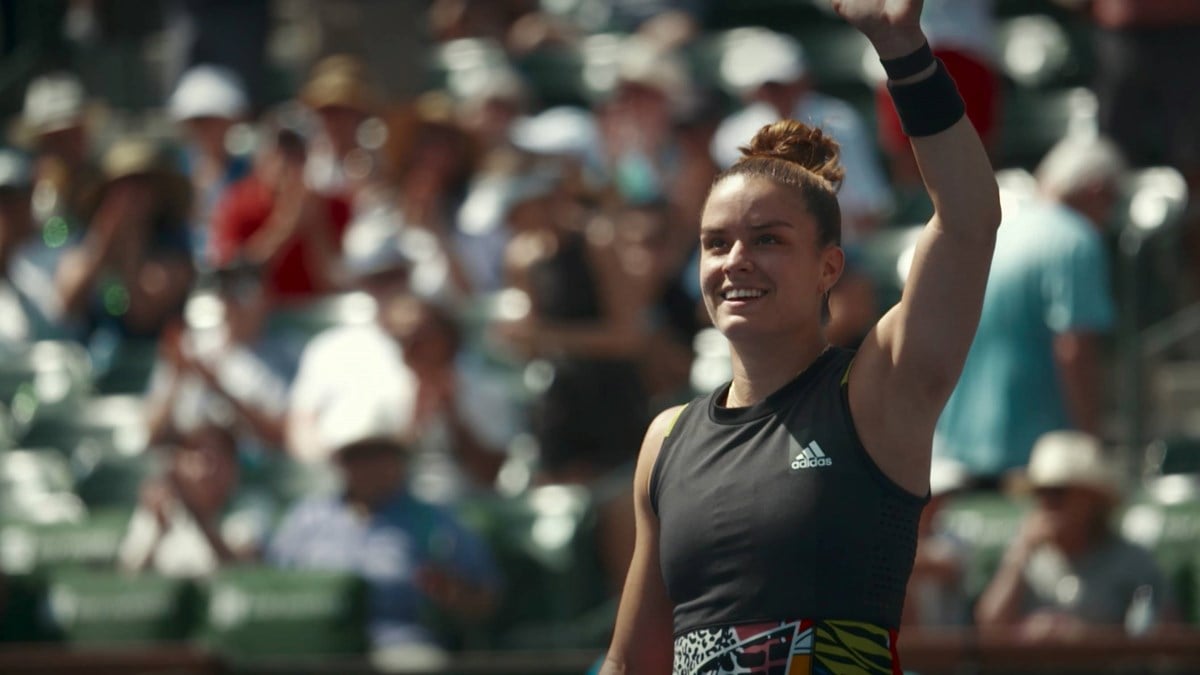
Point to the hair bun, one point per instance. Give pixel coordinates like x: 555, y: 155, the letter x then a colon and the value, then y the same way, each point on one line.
x: 798, y: 143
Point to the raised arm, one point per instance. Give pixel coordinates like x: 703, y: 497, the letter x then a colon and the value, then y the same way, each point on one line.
x: 641, y: 643
x: 909, y: 364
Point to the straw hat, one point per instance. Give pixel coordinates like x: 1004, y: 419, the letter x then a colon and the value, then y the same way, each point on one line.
x: 54, y: 102
x: 137, y: 156
x: 341, y: 81
x: 1072, y: 459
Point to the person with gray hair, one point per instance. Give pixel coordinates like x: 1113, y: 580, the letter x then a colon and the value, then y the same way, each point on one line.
x: 1035, y: 364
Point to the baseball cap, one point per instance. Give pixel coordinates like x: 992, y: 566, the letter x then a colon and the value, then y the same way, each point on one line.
x: 208, y: 91
x: 755, y: 56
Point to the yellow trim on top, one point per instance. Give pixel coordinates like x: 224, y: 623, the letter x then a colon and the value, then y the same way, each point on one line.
x: 674, y: 419
x: 846, y: 375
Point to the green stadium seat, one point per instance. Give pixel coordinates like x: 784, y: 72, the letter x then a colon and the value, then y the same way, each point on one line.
x: 556, y: 594
x: 28, y: 547
x: 45, y: 380
x: 259, y: 612
x: 98, y: 427
x: 110, y: 608
x: 36, y: 486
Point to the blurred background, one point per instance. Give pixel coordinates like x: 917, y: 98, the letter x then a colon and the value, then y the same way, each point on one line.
x: 329, y: 329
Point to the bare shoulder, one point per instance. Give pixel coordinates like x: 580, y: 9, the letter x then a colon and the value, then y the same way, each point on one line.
x: 652, y: 444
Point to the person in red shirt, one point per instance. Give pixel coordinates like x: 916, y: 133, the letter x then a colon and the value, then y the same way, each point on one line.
x: 273, y: 219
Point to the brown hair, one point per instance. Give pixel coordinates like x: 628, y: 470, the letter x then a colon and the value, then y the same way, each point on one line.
x: 794, y: 154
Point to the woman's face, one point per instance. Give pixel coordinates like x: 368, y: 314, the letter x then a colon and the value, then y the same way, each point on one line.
x: 762, y: 271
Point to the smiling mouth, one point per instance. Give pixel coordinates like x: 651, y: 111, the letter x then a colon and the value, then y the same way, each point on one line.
x: 743, y: 294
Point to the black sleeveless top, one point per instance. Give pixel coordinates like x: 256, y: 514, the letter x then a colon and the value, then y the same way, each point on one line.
x: 776, y: 513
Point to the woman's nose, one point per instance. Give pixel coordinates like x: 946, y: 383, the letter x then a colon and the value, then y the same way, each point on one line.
x: 738, y: 257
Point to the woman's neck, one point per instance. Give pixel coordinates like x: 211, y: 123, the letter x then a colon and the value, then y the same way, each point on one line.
x: 758, y: 373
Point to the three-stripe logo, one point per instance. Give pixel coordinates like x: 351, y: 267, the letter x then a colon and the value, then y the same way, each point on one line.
x: 810, y: 456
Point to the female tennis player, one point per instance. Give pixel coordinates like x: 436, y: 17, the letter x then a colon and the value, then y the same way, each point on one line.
x: 777, y: 517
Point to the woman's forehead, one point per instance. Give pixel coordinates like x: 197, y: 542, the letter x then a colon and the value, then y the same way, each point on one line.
x: 752, y: 200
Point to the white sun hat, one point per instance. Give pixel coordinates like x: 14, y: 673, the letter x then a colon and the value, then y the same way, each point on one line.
x: 755, y: 56
x: 208, y: 91
x: 357, y: 418
x: 1073, y: 459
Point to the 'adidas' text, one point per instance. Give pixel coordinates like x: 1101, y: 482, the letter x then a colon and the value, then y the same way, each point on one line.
x: 811, y: 456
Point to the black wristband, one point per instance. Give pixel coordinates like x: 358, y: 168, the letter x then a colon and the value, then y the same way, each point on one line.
x: 908, y: 65
x: 928, y: 106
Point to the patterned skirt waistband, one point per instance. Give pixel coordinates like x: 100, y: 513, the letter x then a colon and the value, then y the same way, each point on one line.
x: 799, y: 647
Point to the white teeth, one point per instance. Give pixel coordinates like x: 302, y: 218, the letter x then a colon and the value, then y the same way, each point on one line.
x: 739, y: 293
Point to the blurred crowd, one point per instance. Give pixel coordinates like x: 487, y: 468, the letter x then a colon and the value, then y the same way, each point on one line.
x: 402, y: 260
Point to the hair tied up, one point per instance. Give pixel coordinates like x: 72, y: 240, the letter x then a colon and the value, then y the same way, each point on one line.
x: 797, y: 143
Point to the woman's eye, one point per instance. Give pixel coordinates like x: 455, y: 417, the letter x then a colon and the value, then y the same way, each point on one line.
x: 714, y: 243
x: 767, y: 239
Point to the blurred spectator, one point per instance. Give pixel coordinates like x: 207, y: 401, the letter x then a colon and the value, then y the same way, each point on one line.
x: 184, y: 525
x: 380, y: 261
x: 936, y: 596
x: 672, y: 314
x: 583, y: 318
x: 770, y: 74
x: 274, y: 219
x: 502, y: 202
x: 28, y: 305
x: 433, y: 160
x: 342, y: 98
x: 1068, y: 569
x: 411, y: 553
x: 208, y: 102
x: 55, y: 123
x: 131, y: 273
x: 228, y: 374
x: 488, y: 107
x: 463, y: 419
x: 1035, y: 365
x: 962, y: 33
x: 1144, y: 49
x: 641, y: 126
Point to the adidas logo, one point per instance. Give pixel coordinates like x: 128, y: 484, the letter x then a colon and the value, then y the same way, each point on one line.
x: 810, y: 457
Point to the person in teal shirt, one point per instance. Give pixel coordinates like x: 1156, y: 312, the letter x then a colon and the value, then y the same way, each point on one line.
x: 1035, y: 364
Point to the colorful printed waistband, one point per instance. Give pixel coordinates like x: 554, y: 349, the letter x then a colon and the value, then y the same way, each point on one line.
x: 800, y: 647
